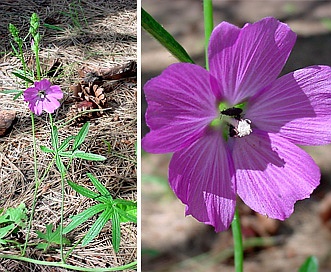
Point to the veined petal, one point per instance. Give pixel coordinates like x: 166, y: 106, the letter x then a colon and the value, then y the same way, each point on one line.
x: 297, y: 106
x: 181, y: 105
x: 246, y: 60
x: 268, y: 188
x: 43, y: 84
x: 55, y: 92
x: 50, y: 105
x: 36, y: 106
x: 202, y: 178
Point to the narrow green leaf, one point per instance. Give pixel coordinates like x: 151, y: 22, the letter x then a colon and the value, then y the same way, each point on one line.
x: 53, y: 27
x: 46, y: 149
x: 83, y: 217
x: 310, y: 265
x: 82, y: 190
x: 22, y: 77
x: 79, y: 139
x: 116, y: 231
x: 59, y: 164
x: 102, y: 189
x: 11, y: 91
x: 97, y: 226
x: 17, y: 95
x: 66, y: 154
x: 163, y: 36
x: 55, y: 137
x: 66, y: 142
x: 88, y: 156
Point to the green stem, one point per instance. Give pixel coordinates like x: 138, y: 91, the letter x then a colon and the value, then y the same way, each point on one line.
x: 67, y: 266
x: 37, y: 182
x: 38, y: 65
x: 62, y: 195
x: 238, y: 243
x: 209, y: 25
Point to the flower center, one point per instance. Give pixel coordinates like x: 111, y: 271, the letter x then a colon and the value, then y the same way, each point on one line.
x: 242, y: 129
x: 232, y: 122
x: 42, y: 94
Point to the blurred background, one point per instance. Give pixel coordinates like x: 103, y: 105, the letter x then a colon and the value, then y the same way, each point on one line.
x: 173, y: 242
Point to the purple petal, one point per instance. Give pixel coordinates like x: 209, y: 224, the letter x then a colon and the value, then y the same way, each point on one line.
x: 50, y: 105
x: 54, y: 92
x: 297, y: 106
x: 43, y: 84
x: 181, y: 104
x: 273, y: 173
x: 202, y: 178
x: 246, y: 60
x: 36, y: 106
x: 30, y: 94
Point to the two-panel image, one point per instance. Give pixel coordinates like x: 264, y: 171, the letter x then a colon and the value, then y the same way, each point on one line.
x: 165, y: 136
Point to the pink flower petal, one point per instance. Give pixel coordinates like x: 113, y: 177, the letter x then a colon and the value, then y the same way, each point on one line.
x: 246, y: 60
x: 202, y: 178
x: 54, y: 92
x: 181, y: 105
x: 273, y: 173
x: 36, y: 106
x: 297, y: 106
x: 43, y: 84
x: 50, y: 105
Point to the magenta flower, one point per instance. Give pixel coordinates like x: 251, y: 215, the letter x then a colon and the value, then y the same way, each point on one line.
x: 43, y: 96
x: 234, y: 129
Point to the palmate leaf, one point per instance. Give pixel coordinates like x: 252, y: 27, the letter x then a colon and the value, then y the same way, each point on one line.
x: 51, y: 237
x: 83, y: 217
x: 97, y: 226
x: 15, y: 215
x: 163, y: 36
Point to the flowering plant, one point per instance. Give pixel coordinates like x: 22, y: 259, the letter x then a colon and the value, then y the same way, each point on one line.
x: 234, y: 129
x: 43, y: 96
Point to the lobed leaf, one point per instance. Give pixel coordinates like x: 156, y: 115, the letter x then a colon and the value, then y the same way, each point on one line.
x: 83, y: 217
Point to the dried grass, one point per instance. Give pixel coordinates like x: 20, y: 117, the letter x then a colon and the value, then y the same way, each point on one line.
x: 105, y: 37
